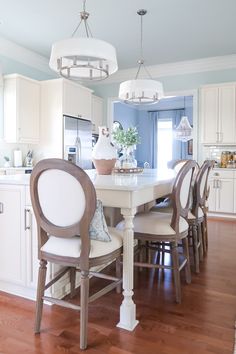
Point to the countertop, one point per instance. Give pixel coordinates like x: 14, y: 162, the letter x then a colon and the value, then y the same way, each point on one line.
x: 115, y: 181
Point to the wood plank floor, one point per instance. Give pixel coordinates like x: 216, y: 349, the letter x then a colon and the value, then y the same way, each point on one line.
x: 202, y: 324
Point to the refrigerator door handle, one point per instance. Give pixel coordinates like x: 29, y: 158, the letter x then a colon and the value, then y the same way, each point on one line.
x: 79, y: 148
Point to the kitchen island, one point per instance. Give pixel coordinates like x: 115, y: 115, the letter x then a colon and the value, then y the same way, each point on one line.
x: 18, y: 254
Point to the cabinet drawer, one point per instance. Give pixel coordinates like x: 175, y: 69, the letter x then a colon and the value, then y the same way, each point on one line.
x: 222, y: 173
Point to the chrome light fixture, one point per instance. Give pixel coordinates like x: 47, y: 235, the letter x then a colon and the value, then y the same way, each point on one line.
x: 83, y: 58
x: 139, y: 91
x: 184, y: 130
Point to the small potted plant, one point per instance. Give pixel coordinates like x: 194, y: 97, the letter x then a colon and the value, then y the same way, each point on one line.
x: 7, y: 161
x: 126, y: 141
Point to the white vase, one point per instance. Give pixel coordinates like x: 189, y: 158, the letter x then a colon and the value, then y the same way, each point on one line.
x: 104, y: 154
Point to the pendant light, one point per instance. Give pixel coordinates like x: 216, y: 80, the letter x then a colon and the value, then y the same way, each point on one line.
x: 184, y: 130
x: 140, y: 91
x: 83, y: 58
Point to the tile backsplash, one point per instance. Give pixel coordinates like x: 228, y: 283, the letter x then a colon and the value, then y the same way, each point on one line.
x: 213, y: 152
x: 7, y: 150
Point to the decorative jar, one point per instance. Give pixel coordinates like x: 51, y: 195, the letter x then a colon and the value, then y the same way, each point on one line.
x: 104, y: 154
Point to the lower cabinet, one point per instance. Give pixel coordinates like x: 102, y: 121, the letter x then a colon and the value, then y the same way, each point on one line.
x: 12, y: 250
x: 221, y: 198
x: 19, y: 262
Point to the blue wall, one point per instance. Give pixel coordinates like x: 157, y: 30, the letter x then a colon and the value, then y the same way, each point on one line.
x: 126, y: 115
x: 129, y: 116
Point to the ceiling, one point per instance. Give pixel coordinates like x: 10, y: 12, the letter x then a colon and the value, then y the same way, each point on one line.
x: 174, y: 30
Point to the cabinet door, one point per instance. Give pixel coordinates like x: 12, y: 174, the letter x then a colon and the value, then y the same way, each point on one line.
x: 225, y: 196
x: 227, y: 114
x: 97, y: 113
x: 212, y: 195
x: 32, y: 248
x: 28, y: 104
x: 209, y: 110
x: 21, y: 109
x: 12, y: 249
x: 77, y: 101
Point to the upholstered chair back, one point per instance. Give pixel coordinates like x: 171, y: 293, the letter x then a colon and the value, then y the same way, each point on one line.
x: 64, y: 201
x: 181, y: 194
x: 200, y: 191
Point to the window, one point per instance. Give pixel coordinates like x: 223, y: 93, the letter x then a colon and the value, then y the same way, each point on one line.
x: 164, y: 143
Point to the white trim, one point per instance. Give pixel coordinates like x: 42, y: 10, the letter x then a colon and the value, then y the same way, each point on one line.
x: 177, y: 68
x: 221, y: 215
x: 25, y: 56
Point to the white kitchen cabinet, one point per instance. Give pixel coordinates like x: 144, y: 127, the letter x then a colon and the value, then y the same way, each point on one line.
x: 77, y: 100
x: 221, y: 198
x: 217, y: 113
x: 12, y: 250
x: 60, y: 97
x: 21, y: 109
x: 32, y: 262
x: 97, y: 113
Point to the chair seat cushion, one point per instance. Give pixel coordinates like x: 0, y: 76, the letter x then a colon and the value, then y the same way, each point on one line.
x: 70, y: 247
x: 154, y: 223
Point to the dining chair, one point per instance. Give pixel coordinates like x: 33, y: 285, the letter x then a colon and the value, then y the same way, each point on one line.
x: 64, y: 203
x: 157, y: 230
x: 201, y: 192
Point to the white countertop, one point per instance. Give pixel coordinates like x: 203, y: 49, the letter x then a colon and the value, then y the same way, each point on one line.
x: 114, y: 181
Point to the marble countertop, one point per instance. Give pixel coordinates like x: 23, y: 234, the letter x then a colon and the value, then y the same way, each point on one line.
x: 114, y: 181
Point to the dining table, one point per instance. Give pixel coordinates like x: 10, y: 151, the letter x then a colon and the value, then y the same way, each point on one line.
x: 128, y: 191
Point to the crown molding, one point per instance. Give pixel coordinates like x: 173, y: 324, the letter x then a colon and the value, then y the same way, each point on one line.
x: 23, y: 55
x: 177, y: 68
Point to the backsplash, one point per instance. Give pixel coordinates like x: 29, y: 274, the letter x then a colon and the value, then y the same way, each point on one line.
x: 213, y: 152
x: 7, y: 150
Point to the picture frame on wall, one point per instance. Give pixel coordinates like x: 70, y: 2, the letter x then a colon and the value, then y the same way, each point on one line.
x: 190, y: 147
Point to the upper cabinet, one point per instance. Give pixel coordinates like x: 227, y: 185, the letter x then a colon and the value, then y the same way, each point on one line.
x: 21, y: 109
x: 218, y: 114
x: 60, y: 97
x: 77, y: 100
x: 97, y: 112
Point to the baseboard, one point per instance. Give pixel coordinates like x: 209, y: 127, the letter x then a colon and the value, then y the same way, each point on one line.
x: 221, y: 216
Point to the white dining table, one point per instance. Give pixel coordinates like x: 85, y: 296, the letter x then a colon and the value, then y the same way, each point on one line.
x: 128, y: 192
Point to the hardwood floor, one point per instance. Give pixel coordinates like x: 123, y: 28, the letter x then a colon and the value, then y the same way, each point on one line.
x: 202, y: 324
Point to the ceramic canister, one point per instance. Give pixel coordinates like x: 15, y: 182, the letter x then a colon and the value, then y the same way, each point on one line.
x: 104, y: 153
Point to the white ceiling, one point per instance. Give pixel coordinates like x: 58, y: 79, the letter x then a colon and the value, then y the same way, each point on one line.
x: 174, y: 30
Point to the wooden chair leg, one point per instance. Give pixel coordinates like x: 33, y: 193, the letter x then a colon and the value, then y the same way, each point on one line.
x: 203, y: 237
x: 118, y: 274
x: 187, y: 265
x: 200, y: 239
x: 175, y: 261
x: 84, y: 295
x: 195, y: 248
x: 40, y: 293
x: 206, y: 229
x: 72, y: 281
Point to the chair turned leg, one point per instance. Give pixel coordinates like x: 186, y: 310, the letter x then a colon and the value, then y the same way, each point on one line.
x: 72, y: 281
x: 187, y: 265
x: 175, y: 260
x: 84, y: 295
x: 118, y: 274
x: 40, y: 294
x: 201, y: 248
x: 195, y: 248
x: 202, y: 226
x: 206, y: 229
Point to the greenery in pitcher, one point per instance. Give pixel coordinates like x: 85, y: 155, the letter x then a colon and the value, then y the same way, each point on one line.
x: 126, y: 138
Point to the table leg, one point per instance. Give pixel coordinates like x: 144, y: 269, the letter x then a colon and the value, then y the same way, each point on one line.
x: 128, y: 308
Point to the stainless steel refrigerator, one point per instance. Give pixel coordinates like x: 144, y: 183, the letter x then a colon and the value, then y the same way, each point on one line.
x: 78, y: 141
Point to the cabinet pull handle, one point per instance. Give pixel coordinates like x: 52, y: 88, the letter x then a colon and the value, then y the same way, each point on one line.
x: 1, y: 208
x: 27, y: 212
